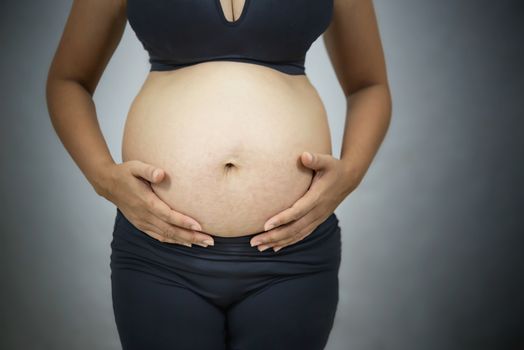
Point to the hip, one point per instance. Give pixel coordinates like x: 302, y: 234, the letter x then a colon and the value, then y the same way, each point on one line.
x: 231, y: 256
x: 230, y: 270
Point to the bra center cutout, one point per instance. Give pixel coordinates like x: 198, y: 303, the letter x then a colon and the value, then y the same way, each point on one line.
x: 232, y: 10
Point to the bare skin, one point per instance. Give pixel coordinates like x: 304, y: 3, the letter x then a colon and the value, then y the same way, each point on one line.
x: 156, y: 186
x: 354, y: 47
x: 229, y: 168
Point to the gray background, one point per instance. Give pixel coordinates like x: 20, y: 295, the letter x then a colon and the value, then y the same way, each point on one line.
x: 432, y: 246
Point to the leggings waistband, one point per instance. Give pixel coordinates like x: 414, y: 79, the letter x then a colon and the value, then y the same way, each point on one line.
x: 331, y: 221
x: 327, y: 225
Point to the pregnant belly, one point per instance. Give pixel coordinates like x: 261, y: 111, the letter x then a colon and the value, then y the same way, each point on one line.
x: 229, y: 136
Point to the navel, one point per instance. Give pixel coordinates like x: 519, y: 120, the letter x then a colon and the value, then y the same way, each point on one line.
x: 228, y: 167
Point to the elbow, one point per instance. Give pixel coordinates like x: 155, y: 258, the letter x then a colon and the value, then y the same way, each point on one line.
x: 380, y: 91
x: 57, y: 79
x: 53, y: 92
x: 388, y: 99
x: 52, y: 84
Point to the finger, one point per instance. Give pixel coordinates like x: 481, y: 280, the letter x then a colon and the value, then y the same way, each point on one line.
x: 277, y: 235
x: 293, y: 232
x: 184, y: 235
x: 183, y: 225
x: 160, y: 209
x: 300, y: 208
x: 146, y: 171
x: 298, y: 237
x: 152, y: 230
x: 316, y: 161
x: 164, y: 239
x: 162, y: 234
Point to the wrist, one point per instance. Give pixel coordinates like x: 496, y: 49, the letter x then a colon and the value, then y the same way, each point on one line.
x: 353, y: 174
x: 102, y: 181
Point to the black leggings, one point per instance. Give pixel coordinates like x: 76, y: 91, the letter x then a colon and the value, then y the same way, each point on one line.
x: 229, y: 296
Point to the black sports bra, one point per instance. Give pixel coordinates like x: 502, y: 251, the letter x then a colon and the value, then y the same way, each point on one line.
x: 272, y: 33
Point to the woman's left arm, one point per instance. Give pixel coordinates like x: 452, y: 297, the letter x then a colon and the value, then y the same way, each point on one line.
x: 354, y: 47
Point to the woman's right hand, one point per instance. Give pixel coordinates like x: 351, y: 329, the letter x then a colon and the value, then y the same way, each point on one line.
x: 130, y: 190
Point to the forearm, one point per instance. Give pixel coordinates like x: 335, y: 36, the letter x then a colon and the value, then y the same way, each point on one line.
x: 368, y: 115
x: 73, y: 116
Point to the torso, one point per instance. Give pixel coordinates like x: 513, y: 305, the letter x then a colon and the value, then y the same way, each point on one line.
x: 229, y: 136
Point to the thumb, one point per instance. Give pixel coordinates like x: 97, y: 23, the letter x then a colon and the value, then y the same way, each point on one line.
x: 147, y: 171
x: 315, y: 161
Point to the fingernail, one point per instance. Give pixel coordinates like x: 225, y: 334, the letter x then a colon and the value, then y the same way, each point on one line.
x: 196, y: 227
x: 269, y: 227
x: 309, y: 156
x: 187, y: 244
x: 202, y: 245
x: 262, y: 248
x: 255, y: 242
x: 277, y: 249
x: 208, y: 242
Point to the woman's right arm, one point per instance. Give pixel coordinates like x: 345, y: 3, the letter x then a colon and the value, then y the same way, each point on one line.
x: 91, y: 34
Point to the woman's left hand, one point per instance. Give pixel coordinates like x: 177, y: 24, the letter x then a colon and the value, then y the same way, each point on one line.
x: 331, y: 184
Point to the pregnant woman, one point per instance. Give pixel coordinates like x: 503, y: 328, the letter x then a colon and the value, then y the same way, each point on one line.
x: 225, y: 235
